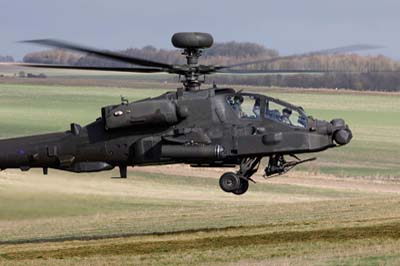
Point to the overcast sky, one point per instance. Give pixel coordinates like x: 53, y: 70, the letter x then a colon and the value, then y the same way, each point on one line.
x: 288, y: 26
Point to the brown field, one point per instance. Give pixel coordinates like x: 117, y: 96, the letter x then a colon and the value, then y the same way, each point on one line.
x: 164, y: 219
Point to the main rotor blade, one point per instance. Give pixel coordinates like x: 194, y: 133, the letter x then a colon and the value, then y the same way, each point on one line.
x: 116, y: 69
x: 279, y: 71
x: 338, y: 50
x: 106, y: 54
x: 294, y: 71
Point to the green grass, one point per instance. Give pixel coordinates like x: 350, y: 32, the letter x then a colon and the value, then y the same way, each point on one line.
x: 27, y: 109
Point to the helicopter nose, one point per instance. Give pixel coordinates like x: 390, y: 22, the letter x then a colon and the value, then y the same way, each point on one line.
x: 342, y: 134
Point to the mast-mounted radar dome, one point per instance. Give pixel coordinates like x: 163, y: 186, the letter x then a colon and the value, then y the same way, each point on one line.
x: 192, y: 40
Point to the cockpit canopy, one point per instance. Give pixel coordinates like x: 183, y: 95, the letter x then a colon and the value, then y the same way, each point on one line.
x: 254, y: 107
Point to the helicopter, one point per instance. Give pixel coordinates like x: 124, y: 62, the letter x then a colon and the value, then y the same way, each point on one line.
x: 214, y: 127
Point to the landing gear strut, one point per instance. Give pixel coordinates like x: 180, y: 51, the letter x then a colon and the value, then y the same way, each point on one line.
x: 238, y: 182
x: 277, y: 164
x: 123, y: 173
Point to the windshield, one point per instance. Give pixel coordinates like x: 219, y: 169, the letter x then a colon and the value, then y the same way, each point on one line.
x: 285, y: 114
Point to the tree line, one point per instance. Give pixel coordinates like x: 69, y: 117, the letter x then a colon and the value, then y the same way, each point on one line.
x: 354, y: 81
x: 56, y: 56
x: 6, y: 58
x: 349, y: 71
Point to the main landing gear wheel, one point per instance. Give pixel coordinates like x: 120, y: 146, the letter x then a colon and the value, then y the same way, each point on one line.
x: 244, y: 185
x: 229, y: 182
x: 238, y: 183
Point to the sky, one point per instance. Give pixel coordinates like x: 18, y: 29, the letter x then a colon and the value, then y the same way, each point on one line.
x: 293, y: 26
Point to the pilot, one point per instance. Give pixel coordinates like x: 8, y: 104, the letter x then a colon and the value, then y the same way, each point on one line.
x: 256, y: 108
x: 286, y: 112
x: 237, y: 104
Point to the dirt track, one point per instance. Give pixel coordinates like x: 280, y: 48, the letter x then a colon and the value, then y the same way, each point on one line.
x: 294, y: 178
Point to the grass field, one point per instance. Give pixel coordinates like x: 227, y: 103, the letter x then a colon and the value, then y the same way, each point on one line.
x: 307, y: 218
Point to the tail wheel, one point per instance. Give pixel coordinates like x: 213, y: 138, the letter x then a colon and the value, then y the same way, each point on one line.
x: 229, y: 182
x: 244, y: 185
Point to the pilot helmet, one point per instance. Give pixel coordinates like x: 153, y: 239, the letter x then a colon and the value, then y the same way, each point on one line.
x: 287, y: 111
x: 238, y: 99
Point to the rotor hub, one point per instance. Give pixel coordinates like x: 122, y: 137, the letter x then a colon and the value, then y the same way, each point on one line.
x: 192, y: 44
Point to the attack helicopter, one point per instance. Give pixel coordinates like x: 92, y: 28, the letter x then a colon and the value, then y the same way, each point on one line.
x: 214, y: 127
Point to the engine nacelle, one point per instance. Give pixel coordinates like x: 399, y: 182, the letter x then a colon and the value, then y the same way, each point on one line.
x: 156, y: 112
